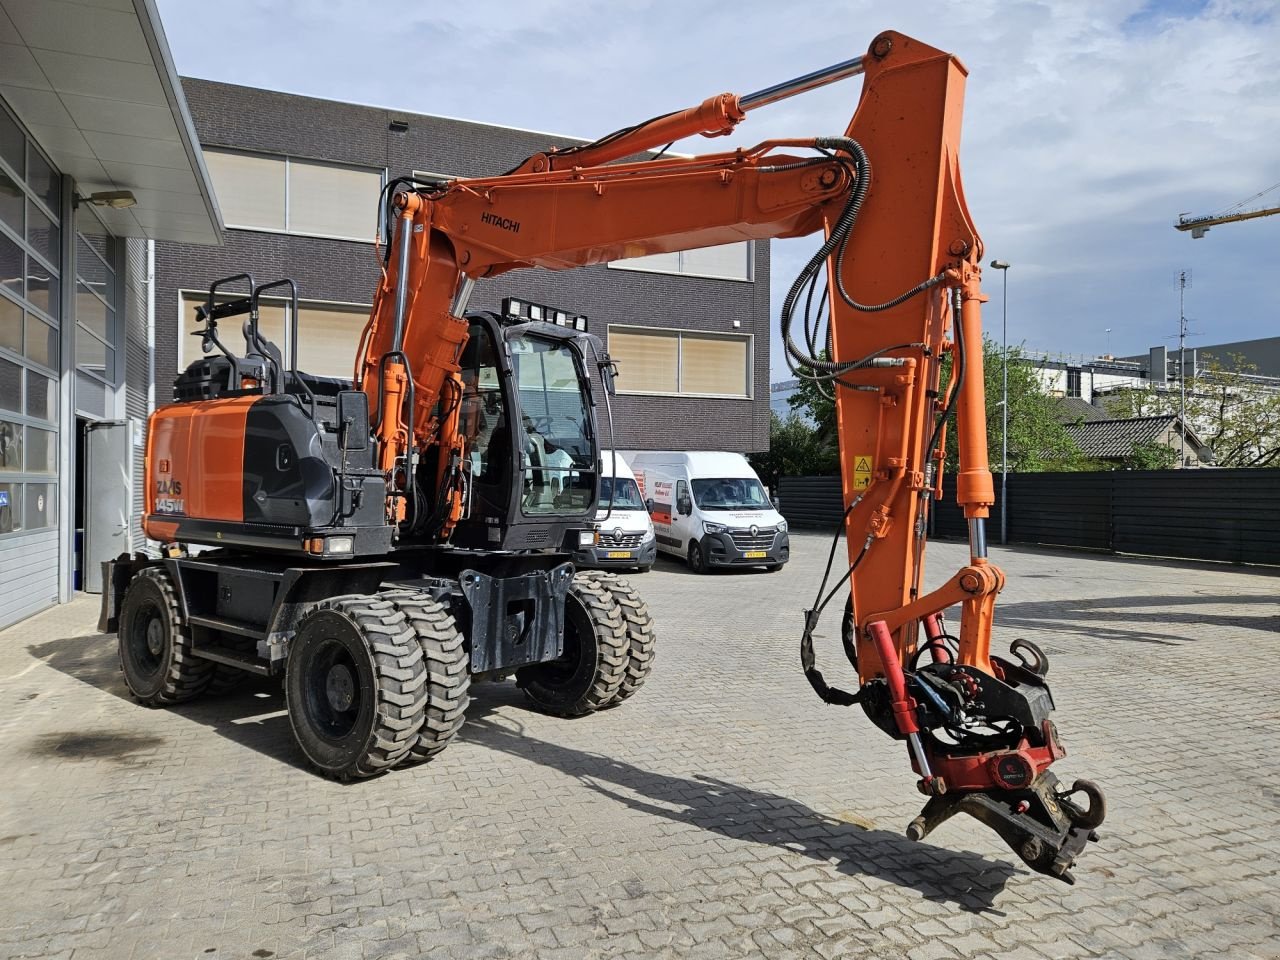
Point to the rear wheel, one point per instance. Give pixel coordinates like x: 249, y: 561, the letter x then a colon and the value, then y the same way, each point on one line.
x: 155, y: 648
x: 448, y: 672
x: 355, y: 686
x: 591, y: 669
x: 642, y: 638
x: 697, y: 559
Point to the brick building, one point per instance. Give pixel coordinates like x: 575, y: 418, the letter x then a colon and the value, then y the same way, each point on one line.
x: 298, y: 178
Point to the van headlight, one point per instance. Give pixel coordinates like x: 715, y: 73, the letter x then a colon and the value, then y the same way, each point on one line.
x: 708, y: 527
x: 586, y: 538
x: 782, y: 527
x: 648, y: 535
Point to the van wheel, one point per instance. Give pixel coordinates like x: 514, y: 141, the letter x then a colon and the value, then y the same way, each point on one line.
x: 697, y: 559
x: 773, y: 568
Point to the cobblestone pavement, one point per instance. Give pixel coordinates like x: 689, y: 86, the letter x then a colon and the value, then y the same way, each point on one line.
x: 723, y: 812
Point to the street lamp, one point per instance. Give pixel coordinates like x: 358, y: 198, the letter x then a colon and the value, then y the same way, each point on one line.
x: 1003, y: 267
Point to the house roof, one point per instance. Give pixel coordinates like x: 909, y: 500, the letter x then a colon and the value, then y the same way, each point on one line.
x: 1117, y: 438
x: 1069, y: 410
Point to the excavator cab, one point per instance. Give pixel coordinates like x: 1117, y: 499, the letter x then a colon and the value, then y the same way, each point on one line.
x: 528, y: 419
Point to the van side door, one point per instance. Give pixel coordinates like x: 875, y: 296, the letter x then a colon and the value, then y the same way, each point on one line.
x: 683, y: 527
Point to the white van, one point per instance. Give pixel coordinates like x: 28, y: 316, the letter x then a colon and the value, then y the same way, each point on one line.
x: 711, y: 510
x: 624, y: 534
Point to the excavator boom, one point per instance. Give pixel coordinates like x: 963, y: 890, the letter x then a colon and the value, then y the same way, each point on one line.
x: 899, y: 273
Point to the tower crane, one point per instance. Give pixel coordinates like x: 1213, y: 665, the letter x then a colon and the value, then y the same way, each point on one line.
x: 1199, y: 226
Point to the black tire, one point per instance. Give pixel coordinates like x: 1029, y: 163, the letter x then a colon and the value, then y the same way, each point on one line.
x: 773, y: 567
x: 642, y: 638
x: 644, y: 569
x: 155, y: 648
x: 355, y: 686
x: 588, y: 674
x: 697, y: 559
x: 448, y: 672
x: 225, y: 679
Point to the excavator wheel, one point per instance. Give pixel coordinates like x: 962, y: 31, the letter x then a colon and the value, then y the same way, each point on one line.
x: 155, y: 648
x: 356, y: 686
x: 589, y: 673
x: 641, y: 636
x: 448, y: 671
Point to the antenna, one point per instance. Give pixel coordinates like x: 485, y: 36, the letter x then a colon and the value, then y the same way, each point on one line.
x: 1184, y: 281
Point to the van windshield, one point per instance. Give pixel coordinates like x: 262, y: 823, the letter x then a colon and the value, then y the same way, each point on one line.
x: 731, y: 493
x: 626, y: 495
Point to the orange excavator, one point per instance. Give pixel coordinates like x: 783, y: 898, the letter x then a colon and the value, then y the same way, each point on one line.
x: 380, y: 542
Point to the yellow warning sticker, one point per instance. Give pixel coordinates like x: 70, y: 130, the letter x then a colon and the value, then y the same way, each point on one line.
x: 862, y: 471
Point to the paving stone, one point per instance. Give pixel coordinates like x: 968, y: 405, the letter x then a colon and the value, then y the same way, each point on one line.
x: 722, y: 812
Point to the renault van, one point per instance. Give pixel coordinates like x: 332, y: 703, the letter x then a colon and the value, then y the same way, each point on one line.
x: 623, y: 535
x: 710, y: 509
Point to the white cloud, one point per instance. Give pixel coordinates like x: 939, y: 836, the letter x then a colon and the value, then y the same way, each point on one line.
x: 1089, y: 125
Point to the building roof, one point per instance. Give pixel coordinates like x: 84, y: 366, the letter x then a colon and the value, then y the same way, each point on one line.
x: 1069, y: 410
x: 94, y: 83
x: 1117, y: 438
x: 1263, y: 353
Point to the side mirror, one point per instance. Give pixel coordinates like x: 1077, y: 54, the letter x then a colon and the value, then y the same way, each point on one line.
x: 684, y: 506
x: 353, y: 420
x: 648, y: 504
x: 609, y: 373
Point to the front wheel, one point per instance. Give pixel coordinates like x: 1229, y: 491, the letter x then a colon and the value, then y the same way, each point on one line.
x: 355, y: 686
x: 697, y: 559
x: 592, y: 666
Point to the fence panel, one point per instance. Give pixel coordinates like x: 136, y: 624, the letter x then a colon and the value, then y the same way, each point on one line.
x: 1231, y: 515
x: 1226, y: 515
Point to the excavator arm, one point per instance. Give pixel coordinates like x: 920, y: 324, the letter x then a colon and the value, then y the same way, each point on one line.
x: 901, y: 258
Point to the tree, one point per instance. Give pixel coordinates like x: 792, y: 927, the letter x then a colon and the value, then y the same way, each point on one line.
x: 1037, y: 440
x: 1150, y: 455
x: 1231, y: 410
x: 795, y: 450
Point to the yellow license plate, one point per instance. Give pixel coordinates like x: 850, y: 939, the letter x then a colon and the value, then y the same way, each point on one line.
x: 619, y: 555
x: 755, y: 554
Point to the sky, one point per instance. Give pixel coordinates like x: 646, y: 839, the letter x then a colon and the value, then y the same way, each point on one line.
x: 1090, y: 125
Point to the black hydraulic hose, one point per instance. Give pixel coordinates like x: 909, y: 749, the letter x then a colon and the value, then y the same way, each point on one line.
x: 836, y: 243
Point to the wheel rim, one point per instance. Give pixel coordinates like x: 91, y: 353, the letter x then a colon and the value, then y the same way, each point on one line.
x: 695, y: 557
x: 331, y: 692
x: 147, y: 640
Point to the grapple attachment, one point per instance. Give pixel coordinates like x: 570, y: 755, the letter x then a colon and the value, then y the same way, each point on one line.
x: 1041, y: 824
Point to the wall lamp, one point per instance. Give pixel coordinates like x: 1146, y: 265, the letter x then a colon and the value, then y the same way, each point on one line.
x: 115, y: 199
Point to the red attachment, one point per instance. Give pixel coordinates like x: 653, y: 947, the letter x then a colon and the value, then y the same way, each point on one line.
x: 904, y: 708
x: 1014, y: 769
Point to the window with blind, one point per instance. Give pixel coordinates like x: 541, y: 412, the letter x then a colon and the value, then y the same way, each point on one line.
x: 289, y: 195
x: 681, y: 362
x: 730, y: 261
x: 327, y: 336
